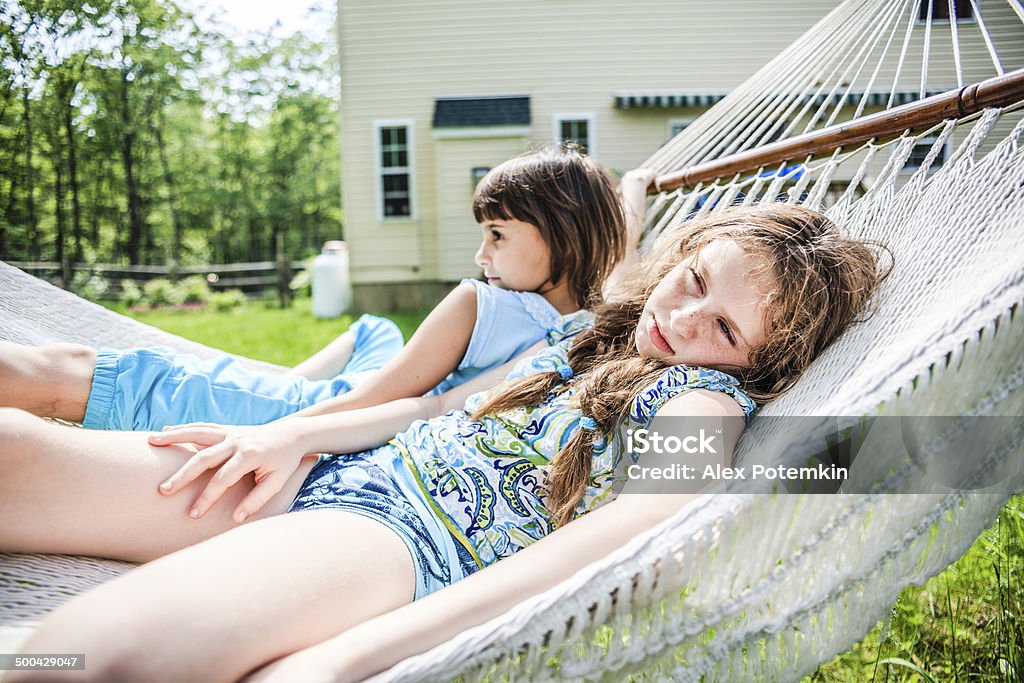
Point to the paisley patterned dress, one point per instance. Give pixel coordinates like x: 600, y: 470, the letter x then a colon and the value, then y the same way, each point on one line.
x: 485, y: 479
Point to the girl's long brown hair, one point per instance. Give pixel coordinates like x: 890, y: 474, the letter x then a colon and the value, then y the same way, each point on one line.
x: 572, y: 201
x: 820, y: 282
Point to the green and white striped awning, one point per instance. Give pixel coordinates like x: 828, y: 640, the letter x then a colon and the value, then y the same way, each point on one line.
x: 665, y: 99
x: 660, y: 100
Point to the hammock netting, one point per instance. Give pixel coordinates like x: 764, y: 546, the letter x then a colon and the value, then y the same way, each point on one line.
x: 744, y: 585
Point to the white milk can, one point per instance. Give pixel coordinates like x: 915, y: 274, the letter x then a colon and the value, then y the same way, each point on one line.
x: 332, y: 290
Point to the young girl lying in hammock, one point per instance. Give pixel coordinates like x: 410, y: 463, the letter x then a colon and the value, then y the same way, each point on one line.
x: 553, y: 232
x: 730, y: 312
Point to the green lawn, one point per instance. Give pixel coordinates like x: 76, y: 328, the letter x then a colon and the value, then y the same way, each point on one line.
x: 262, y: 330
x: 967, y: 624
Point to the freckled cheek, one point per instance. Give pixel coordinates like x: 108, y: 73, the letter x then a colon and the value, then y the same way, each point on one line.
x: 710, y: 352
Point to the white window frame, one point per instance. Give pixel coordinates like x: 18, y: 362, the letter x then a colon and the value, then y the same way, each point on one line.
x: 589, y: 117
x: 410, y: 169
x: 947, y: 148
x: 672, y: 123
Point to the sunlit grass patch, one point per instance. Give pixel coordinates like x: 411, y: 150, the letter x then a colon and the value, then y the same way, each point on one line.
x: 261, y: 330
x: 966, y: 624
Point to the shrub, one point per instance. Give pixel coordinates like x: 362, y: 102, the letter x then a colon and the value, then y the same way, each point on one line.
x: 194, y: 290
x: 89, y: 285
x: 302, y: 281
x: 131, y: 293
x: 227, y: 300
x: 162, y: 292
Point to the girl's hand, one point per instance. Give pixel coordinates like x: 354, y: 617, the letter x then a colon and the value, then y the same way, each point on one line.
x: 272, y: 452
x: 639, y: 176
x: 633, y: 189
x: 633, y: 193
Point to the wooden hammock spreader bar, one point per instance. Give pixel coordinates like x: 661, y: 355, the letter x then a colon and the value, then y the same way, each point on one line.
x: 999, y: 91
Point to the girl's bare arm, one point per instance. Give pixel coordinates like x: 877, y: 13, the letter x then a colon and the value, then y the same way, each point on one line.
x: 380, y: 643
x: 433, y: 352
x: 633, y: 194
x: 273, y: 451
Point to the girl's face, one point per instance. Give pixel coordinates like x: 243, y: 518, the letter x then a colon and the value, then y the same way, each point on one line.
x: 514, y: 256
x: 707, y: 311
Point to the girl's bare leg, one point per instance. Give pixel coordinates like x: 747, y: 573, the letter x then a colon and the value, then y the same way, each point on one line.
x: 329, y: 361
x: 70, y: 490
x: 222, y: 608
x: 51, y: 381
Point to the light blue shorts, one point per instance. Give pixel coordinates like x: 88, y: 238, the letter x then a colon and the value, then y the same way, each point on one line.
x: 378, y: 484
x: 148, y: 389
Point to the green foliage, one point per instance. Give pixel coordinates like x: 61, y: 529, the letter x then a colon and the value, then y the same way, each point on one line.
x: 89, y: 285
x: 227, y: 300
x: 127, y: 134
x: 162, y: 292
x: 195, y: 290
x: 261, y: 330
x: 131, y: 293
x: 190, y: 292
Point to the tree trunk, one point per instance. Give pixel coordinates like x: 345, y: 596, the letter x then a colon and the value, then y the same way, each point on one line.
x: 94, y: 219
x: 61, y: 220
x: 256, y: 253
x: 283, y: 268
x: 76, y: 206
x: 9, y: 207
x: 171, y: 199
x: 30, y: 182
x: 317, y: 235
x: 119, y: 245
x: 135, y: 220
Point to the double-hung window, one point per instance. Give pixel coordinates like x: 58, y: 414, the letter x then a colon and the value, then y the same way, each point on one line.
x: 577, y: 129
x: 395, y: 167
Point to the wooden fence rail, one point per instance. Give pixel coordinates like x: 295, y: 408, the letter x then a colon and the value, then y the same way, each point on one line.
x: 260, y: 279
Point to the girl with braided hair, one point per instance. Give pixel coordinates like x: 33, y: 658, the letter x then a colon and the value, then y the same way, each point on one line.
x: 728, y: 313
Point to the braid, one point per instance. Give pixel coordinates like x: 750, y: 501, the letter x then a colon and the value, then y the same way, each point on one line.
x: 604, y: 395
x: 822, y: 281
x: 609, y: 375
x: 516, y: 393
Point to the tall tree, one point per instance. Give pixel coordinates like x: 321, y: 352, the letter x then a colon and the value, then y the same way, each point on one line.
x: 120, y: 142
x: 140, y: 74
x: 65, y: 79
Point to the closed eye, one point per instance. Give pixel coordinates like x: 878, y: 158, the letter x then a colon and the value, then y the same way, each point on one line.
x: 724, y: 326
x: 699, y: 280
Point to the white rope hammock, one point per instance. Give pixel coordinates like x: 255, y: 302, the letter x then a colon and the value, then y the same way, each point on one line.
x: 746, y: 586
x: 759, y: 587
